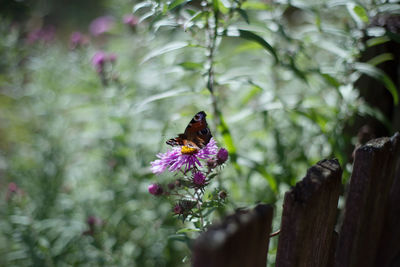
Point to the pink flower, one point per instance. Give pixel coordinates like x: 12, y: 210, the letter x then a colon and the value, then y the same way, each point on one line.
x: 101, y: 25
x: 178, y: 157
x: 13, y: 190
x: 45, y: 34
x: 130, y: 20
x: 93, y: 220
x: 112, y: 57
x: 78, y: 39
x: 155, y: 189
x: 98, y: 60
x: 199, y: 178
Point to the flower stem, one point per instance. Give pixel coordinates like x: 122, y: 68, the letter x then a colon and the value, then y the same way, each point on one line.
x: 212, y: 35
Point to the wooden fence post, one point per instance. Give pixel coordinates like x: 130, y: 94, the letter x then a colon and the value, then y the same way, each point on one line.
x: 309, y: 217
x: 389, y: 248
x: 241, y: 240
x: 367, y: 204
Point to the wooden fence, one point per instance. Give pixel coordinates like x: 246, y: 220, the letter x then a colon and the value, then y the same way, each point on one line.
x: 368, y: 230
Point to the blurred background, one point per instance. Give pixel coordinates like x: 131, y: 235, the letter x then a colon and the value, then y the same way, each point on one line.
x: 91, y: 90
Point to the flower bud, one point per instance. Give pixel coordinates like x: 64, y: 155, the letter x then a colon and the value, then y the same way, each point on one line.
x: 222, y: 156
x: 178, y: 183
x: 130, y: 20
x: 155, y: 189
x: 178, y: 209
x: 199, y: 178
x: 222, y: 195
x: 171, y: 186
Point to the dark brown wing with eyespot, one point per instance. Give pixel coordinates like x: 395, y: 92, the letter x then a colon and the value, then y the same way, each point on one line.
x: 197, y: 134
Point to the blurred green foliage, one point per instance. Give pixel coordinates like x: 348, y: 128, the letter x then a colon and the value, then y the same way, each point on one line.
x: 75, y: 152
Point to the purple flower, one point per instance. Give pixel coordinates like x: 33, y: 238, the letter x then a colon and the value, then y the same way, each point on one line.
x: 184, y: 156
x: 93, y: 220
x: 130, y: 20
x: 199, y: 178
x: 78, y: 39
x: 112, y: 57
x: 93, y: 223
x: 155, y: 189
x: 101, y: 25
x: 98, y: 60
x: 222, y: 156
x: 13, y: 190
x: 45, y: 34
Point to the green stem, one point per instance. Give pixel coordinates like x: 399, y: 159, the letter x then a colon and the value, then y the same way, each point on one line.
x: 212, y: 33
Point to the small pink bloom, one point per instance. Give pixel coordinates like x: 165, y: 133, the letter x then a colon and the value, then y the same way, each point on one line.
x: 130, y: 20
x: 101, y: 25
x: 13, y: 189
x: 78, y: 39
x: 93, y: 220
x: 112, y: 57
x: 98, y: 60
x: 45, y: 34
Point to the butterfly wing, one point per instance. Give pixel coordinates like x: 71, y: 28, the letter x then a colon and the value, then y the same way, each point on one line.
x: 177, y: 141
x: 197, y: 134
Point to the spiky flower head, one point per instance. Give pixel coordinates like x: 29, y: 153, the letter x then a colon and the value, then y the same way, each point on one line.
x: 184, y: 157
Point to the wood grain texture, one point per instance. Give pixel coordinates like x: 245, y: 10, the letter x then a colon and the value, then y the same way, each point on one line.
x: 367, y: 203
x: 309, y: 217
x: 241, y: 240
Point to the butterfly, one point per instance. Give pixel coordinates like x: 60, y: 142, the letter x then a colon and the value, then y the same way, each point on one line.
x: 196, y: 135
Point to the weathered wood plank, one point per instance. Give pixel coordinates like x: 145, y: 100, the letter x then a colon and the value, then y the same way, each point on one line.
x: 240, y: 240
x: 389, y: 247
x: 367, y: 202
x: 309, y: 217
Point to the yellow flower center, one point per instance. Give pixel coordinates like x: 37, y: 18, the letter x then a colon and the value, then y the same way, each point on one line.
x: 188, y: 150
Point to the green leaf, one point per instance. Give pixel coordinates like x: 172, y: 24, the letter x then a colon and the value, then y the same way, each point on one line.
x: 380, y: 59
x: 378, y: 74
x: 377, y: 40
x: 358, y: 13
x: 361, y: 13
x: 193, y: 18
x: 191, y: 65
x: 330, y: 80
x: 270, y: 179
x: 376, y: 113
x: 187, y: 230
x: 224, y: 6
x: 228, y: 141
x: 299, y: 73
x: 141, y: 5
x: 256, y: 6
x: 175, y: 3
x: 394, y: 36
x: 167, y: 94
x: 248, y: 35
x: 254, y: 91
x: 243, y: 14
x: 168, y: 48
x: 216, y: 6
